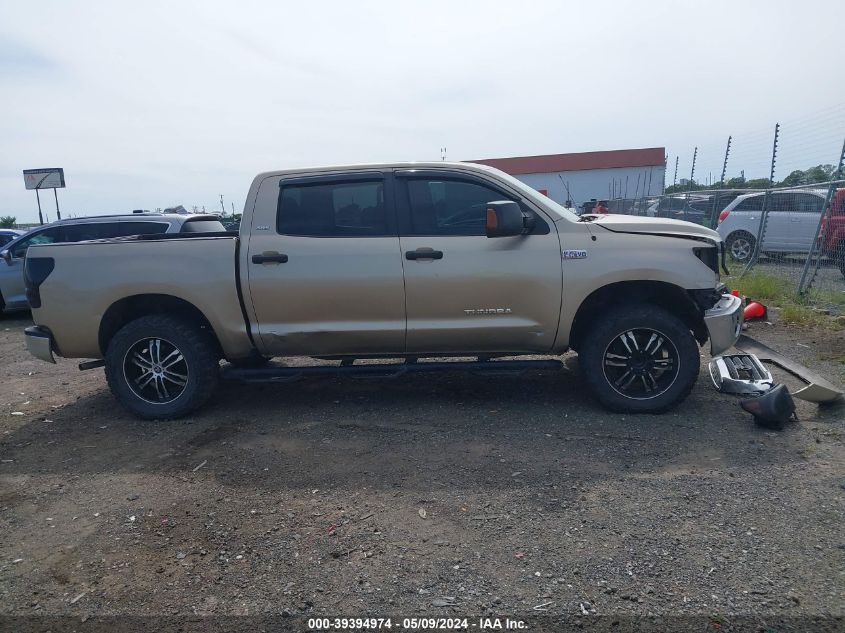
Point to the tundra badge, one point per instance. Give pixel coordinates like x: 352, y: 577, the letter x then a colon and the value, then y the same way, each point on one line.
x: 487, y: 311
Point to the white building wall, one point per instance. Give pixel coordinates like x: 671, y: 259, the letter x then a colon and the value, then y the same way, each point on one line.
x: 597, y: 183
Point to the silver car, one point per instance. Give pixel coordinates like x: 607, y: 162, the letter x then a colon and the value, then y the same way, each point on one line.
x: 7, y: 235
x: 793, y: 219
x: 12, y: 292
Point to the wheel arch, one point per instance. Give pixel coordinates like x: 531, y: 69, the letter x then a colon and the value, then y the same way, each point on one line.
x: 670, y: 297
x: 130, y: 308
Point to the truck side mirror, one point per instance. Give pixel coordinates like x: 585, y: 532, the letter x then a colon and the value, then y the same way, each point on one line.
x: 505, y: 218
x: 6, y: 254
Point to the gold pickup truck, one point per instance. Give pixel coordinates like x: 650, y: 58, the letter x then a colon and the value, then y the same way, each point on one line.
x: 412, y: 261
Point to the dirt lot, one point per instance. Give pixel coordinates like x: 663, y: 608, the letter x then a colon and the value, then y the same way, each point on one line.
x: 505, y: 495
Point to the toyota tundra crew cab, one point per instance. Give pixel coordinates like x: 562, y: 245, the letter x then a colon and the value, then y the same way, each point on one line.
x: 400, y: 261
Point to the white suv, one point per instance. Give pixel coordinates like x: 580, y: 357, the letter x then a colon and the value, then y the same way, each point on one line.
x: 791, y: 227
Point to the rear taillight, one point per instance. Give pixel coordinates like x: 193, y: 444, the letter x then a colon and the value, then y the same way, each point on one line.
x: 722, y: 216
x: 35, y: 271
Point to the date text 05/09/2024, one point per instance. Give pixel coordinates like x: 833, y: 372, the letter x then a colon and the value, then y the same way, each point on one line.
x: 416, y: 624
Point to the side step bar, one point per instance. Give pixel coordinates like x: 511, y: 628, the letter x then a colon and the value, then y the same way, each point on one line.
x: 385, y: 370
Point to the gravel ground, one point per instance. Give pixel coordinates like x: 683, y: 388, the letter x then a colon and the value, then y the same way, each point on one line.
x: 450, y: 496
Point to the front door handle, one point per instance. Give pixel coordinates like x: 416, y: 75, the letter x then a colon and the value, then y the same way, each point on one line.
x: 424, y: 253
x: 270, y: 257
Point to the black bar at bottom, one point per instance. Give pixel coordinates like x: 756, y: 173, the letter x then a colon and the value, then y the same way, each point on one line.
x: 280, y: 374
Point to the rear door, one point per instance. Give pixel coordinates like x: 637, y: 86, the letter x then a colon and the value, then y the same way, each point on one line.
x: 466, y: 292
x: 807, y: 214
x: 323, y: 266
x: 778, y: 222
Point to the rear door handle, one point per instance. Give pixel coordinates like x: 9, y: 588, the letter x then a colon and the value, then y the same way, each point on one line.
x: 270, y: 257
x: 424, y: 253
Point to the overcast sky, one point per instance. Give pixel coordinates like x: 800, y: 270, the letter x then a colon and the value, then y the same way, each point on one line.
x: 150, y: 104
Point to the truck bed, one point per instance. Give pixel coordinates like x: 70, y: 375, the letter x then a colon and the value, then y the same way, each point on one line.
x: 97, y: 276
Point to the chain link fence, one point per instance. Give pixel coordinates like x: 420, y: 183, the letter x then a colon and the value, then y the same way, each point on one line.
x: 796, y: 234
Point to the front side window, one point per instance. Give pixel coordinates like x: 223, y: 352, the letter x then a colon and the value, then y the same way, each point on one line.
x: 449, y: 207
x: 338, y: 209
x: 47, y: 236
x: 5, y: 239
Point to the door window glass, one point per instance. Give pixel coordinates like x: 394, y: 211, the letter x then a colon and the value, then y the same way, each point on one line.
x: 449, y: 207
x: 808, y: 203
x: 341, y: 209
x: 47, y: 236
x: 755, y: 203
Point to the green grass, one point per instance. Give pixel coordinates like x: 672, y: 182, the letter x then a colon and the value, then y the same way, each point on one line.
x: 763, y: 287
x: 796, y: 314
x: 776, y: 292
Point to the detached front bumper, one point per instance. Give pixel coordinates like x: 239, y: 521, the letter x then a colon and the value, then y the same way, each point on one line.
x: 724, y: 323
x: 39, y: 342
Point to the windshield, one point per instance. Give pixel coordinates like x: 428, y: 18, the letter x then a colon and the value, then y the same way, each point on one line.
x: 539, y: 198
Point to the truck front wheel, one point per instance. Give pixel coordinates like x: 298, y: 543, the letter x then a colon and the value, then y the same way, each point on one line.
x: 162, y: 367
x: 639, y: 359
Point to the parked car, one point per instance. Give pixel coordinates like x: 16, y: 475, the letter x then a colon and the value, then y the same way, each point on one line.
x: 832, y: 233
x: 12, y: 294
x: 409, y: 261
x: 7, y: 235
x: 793, y: 219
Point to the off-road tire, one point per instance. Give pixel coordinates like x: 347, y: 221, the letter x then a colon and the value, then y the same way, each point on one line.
x: 198, y: 348
x: 619, y: 320
x: 735, y: 241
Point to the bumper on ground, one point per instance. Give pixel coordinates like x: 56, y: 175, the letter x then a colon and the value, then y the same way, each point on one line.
x: 39, y: 342
x: 724, y: 323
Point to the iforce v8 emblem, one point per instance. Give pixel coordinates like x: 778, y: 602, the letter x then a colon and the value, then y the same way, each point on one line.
x: 573, y: 254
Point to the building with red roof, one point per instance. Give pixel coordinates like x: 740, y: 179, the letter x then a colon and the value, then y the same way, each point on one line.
x: 629, y: 173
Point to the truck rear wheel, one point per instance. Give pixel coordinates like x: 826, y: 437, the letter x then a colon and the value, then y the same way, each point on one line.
x: 639, y: 359
x: 162, y: 367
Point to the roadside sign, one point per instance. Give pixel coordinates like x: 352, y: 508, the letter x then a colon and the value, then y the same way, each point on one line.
x: 50, y: 178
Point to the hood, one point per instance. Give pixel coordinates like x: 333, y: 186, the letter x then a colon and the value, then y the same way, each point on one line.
x: 653, y: 226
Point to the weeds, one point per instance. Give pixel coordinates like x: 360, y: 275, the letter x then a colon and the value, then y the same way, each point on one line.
x: 778, y: 292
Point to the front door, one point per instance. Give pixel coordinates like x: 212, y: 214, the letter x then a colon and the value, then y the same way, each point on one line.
x: 465, y: 292
x: 324, y: 269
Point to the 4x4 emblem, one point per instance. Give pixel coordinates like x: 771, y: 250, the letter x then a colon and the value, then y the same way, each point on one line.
x: 572, y: 254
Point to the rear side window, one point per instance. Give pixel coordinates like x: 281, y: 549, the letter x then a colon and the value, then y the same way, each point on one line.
x: 808, y: 203
x: 326, y: 209
x: 106, y: 230
x: 202, y: 226
x: 755, y: 203
x: 122, y: 229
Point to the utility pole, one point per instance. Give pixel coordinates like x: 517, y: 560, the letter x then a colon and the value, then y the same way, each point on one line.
x: 222, y: 206
x: 40, y: 217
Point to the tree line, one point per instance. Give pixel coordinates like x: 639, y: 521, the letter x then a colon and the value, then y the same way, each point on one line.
x: 799, y: 177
